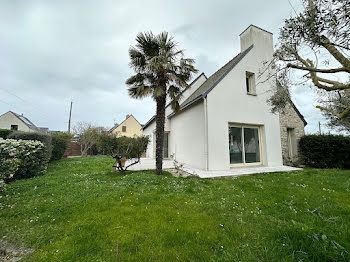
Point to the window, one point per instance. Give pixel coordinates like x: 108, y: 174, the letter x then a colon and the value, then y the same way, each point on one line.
x: 244, y: 145
x: 166, y: 146
x: 14, y: 127
x: 123, y: 128
x: 291, y: 142
x: 250, y: 83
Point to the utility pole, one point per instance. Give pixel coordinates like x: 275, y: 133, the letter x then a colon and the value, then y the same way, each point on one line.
x: 70, y: 116
x: 319, y: 127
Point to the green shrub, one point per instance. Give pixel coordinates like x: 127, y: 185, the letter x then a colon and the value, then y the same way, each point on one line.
x: 4, y: 133
x: 32, y: 156
x: 325, y: 151
x: 59, y: 144
x: 123, y: 148
x: 8, y: 167
x: 42, y: 137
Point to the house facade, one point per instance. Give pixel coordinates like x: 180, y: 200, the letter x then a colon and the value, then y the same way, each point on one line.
x: 13, y: 121
x: 224, y: 121
x: 130, y: 127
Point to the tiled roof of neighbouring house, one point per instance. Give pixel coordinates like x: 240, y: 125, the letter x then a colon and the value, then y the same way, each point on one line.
x: 25, y: 120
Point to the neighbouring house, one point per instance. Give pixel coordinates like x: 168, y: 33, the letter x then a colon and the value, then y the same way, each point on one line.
x: 225, y: 121
x: 13, y: 121
x: 129, y: 127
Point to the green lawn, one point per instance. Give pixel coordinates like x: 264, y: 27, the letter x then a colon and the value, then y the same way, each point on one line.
x: 81, y: 210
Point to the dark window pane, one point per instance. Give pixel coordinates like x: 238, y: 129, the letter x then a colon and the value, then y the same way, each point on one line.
x: 247, y: 84
x: 123, y: 128
x: 251, y: 145
x: 166, y: 146
x: 14, y: 127
x: 235, y: 145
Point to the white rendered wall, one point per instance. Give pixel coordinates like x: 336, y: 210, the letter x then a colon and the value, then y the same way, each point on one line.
x: 8, y: 119
x: 229, y: 102
x: 149, y: 130
x: 187, y: 137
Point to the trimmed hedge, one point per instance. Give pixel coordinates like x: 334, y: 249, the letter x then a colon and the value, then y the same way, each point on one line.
x: 29, y: 155
x: 325, y: 151
x: 59, y: 145
x: 4, y: 133
x: 44, y: 138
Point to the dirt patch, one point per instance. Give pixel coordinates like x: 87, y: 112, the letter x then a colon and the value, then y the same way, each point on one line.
x: 12, y: 253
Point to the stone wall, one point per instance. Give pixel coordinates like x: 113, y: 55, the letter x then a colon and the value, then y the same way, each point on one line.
x: 290, y: 119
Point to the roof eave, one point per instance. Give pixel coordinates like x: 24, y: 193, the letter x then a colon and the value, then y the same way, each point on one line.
x: 187, y: 106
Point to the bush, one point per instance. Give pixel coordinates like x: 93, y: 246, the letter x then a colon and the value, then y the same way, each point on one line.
x: 31, y: 155
x: 44, y: 138
x: 325, y: 151
x: 8, y: 168
x: 59, y: 144
x: 4, y: 133
x: 123, y: 148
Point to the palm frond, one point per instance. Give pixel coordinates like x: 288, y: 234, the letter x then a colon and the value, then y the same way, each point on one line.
x: 137, y: 59
x: 147, y: 44
x: 135, y: 79
x: 175, y: 105
x: 161, y: 68
x: 139, y: 91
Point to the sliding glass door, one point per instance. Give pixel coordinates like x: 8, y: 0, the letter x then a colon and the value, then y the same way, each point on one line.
x: 244, y: 145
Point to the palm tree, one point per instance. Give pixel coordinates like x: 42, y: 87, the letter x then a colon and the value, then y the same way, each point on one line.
x: 161, y: 71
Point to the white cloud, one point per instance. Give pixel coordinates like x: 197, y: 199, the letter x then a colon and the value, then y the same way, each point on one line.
x: 53, y: 52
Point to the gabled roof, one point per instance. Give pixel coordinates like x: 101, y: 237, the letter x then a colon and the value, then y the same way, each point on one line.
x: 25, y: 120
x: 149, y: 122
x: 154, y: 117
x: 212, y: 81
x: 298, y: 112
x: 111, y: 130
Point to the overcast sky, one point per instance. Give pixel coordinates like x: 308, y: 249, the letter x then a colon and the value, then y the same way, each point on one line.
x: 54, y: 52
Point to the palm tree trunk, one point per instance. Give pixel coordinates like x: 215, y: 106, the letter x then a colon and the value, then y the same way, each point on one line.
x: 160, y: 121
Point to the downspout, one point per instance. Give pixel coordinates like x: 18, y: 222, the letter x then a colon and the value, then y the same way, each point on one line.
x: 206, y: 151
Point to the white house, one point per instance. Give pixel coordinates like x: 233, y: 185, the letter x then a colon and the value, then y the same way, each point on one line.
x: 12, y: 121
x: 224, y: 121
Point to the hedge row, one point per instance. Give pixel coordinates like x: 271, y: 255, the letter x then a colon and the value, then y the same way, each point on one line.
x: 325, y: 151
x: 4, y: 133
x: 37, y: 136
x: 59, y: 145
x: 22, y: 159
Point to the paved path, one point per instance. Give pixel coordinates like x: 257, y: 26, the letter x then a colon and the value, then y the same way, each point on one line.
x: 149, y: 163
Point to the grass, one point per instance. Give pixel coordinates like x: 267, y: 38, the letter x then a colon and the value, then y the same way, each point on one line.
x: 81, y: 210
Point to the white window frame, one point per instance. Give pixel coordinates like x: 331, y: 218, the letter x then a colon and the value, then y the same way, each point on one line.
x: 244, y: 164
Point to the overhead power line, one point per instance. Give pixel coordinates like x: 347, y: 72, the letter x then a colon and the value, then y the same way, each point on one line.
x: 47, y: 117
x: 292, y: 7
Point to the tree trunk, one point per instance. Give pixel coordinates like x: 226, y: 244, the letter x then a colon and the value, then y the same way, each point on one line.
x: 160, y: 121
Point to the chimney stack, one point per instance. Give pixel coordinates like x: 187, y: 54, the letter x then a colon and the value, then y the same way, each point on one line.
x: 260, y: 38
